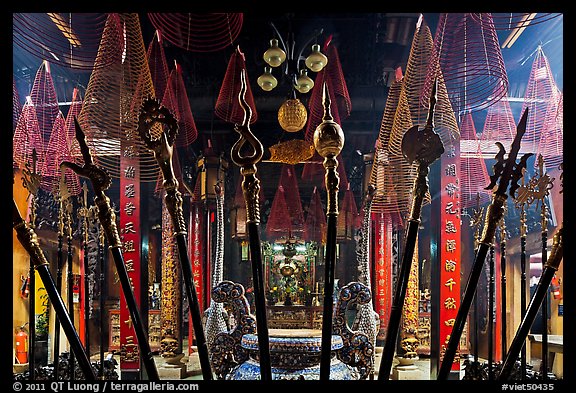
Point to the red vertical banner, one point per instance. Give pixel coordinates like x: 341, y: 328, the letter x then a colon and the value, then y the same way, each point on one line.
x: 195, y: 249
x: 130, y: 236
x: 450, y: 247
x: 383, y: 271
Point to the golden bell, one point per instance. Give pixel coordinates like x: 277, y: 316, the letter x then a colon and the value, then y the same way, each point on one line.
x: 304, y: 83
x: 292, y: 115
x: 274, y: 56
x: 267, y: 81
x: 316, y: 60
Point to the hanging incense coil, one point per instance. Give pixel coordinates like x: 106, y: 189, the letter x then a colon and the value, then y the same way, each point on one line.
x: 176, y: 99
x: 158, y: 64
x: 207, y: 32
x: 551, y: 146
x: 511, y: 20
x: 67, y: 39
x: 473, y: 173
x: 227, y: 106
x: 541, y: 93
x: 468, y: 55
x: 114, y: 97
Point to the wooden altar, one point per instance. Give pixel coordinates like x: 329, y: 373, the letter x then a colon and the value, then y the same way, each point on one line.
x: 294, y: 317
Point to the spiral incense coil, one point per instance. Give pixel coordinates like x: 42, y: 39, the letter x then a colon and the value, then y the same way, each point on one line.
x: 208, y: 32
x: 73, y: 39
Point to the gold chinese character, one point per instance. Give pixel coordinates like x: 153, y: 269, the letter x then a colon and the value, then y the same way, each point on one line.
x: 450, y: 322
x: 450, y: 265
x: 450, y: 303
x: 129, y: 228
x: 129, y: 265
x: 129, y: 172
x: 450, y: 227
x: 450, y: 245
x: 450, y: 283
x: 450, y: 208
x: 129, y: 190
x: 128, y: 246
x: 129, y: 208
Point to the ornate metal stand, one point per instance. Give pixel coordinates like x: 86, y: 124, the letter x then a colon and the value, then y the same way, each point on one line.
x: 216, y: 315
x: 100, y: 182
x: 424, y: 147
x: 367, y: 320
x: 29, y: 241
x: 509, y: 172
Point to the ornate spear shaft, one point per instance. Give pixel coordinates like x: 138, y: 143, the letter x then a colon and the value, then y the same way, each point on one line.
x: 60, y: 263
x: 552, y: 264
x: 329, y: 141
x: 162, y: 146
x: 70, y: 277
x: 102, y: 297
x: 503, y: 284
x: 29, y: 241
x: 509, y: 172
x: 31, y: 182
x: 423, y: 146
x: 101, y: 181
x: 251, y: 191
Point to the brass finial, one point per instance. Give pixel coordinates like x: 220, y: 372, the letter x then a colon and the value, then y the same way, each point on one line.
x: 247, y: 162
x: 328, y: 136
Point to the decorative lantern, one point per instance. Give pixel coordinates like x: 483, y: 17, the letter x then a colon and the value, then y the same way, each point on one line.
x: 292, y: 115
x: 238, y: 230
x: 211, y: 169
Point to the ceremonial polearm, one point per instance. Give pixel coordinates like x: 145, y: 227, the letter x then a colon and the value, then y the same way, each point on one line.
x: 29, y: 241
x: 101, y: 181
x: 520, y: 202
x: 503, y: 284
x: 84, y: 212
x: 508, y: 172
x: 70, y: 278
x: 102, y: 297
x: 62, y: 194
x: 476, y: 222
x: 31, y: 182
x: 491, y: 288
x: 552, y: 264
x: 423, y: 146
x: 251, y: 190
x: 329, y: 141
x: 162, y: 146
x: 539, y: 189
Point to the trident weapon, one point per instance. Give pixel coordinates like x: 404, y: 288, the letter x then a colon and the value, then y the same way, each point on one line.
x: 329, y: 141
x: 101, y: 181
x: 162, y: 147
x: 29, y: 240
x: 251, y: 190
x: 509, y: 172
x: 552, y: 264
x: 425, y: 147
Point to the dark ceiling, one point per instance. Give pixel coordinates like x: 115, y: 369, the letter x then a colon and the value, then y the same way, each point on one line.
x: 370, y: 45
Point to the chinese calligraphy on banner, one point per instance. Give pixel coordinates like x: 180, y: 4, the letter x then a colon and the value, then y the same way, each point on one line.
x: 450, y: 247
x: 130, y: 236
